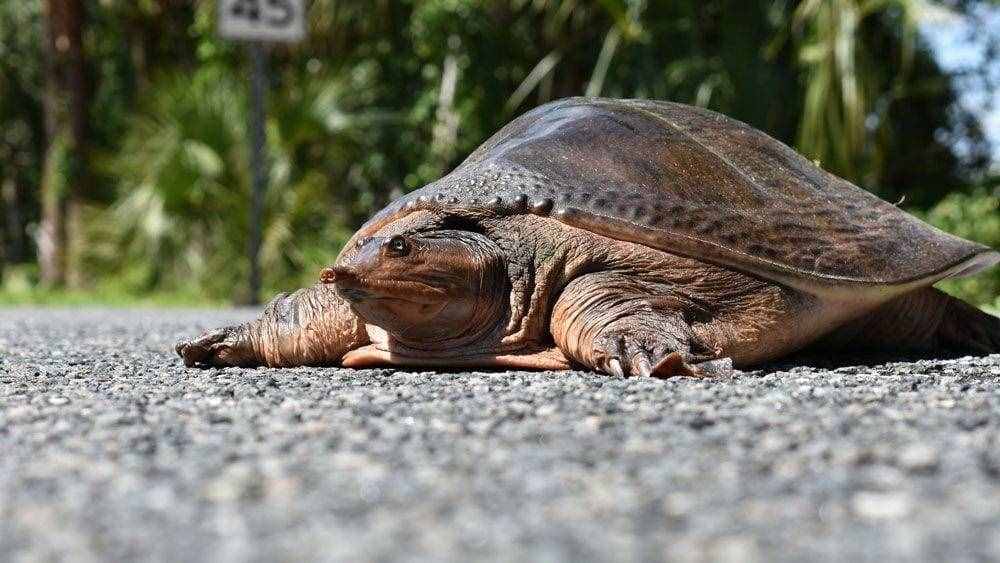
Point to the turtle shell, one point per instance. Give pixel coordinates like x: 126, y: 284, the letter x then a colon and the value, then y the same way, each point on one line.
x: 694, y: 182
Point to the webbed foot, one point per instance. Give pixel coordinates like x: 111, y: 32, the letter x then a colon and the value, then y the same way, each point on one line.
x: 648, y: 354
x: 614, y: 324
x: 311, y: 327
x: 227, y: 346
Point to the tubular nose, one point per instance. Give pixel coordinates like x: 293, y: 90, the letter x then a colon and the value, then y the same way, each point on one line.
x: 334, y: 274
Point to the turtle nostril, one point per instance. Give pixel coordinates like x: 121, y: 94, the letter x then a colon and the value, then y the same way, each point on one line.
x: 334, y: 274
x: 328, y: 275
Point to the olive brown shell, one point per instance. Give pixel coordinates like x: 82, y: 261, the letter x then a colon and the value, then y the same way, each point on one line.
x: 693, y: 182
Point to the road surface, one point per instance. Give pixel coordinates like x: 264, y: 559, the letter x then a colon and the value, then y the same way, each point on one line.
x: 111, y: 450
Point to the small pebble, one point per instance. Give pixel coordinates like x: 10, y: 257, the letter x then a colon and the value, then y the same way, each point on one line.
x: 881, y: 506
x: 918, y: 458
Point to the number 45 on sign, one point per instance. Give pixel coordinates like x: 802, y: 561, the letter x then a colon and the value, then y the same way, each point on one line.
x: 262, y: 20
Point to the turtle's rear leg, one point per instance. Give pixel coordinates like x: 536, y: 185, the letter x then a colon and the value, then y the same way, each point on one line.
x: 613, y: 323
x: 965, y: 328
x: 312, y: 326
x: 927, y: 321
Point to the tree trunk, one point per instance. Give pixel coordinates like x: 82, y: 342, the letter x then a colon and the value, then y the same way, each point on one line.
x: 14, y: 221
x: 65, y: 178
x: 3, y: 251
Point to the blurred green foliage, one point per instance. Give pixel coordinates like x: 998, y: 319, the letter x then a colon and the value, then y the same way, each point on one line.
x: 975, y: 216
x: 387, y: 95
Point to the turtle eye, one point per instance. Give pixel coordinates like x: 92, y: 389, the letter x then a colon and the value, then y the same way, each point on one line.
x: 397, y: 246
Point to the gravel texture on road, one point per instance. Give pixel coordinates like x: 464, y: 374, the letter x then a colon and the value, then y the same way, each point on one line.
x: 110, y: 449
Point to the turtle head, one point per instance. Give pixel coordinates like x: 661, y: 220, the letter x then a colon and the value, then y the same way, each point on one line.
x: 430, y: 291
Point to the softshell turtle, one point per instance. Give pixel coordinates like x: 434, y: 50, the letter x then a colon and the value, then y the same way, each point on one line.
x: 628, y: 237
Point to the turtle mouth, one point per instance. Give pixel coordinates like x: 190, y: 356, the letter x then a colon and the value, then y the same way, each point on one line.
x: 405, y: 290
x: 355, y: 287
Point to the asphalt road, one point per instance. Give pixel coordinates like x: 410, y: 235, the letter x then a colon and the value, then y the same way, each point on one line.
x: 111, y: 450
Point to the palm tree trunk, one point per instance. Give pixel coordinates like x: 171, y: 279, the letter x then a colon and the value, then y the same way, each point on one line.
x: 65, y: 177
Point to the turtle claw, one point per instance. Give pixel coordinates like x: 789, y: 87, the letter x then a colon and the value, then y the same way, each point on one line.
x: 198, y: 351
x: 643, y: 366
x: 625, y: 357
x: 216, y: 348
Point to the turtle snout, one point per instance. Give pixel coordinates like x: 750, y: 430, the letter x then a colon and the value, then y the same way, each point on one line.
x: 338, y: 275
x: 346, y: 281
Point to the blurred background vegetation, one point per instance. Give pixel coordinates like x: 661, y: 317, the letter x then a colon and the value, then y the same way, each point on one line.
x: 123, y: 140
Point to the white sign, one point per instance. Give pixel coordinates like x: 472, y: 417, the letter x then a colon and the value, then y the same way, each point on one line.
x: 262, y: 20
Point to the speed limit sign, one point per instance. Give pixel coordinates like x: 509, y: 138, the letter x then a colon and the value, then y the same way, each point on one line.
x: 257, y: 22
x: 262, y: 20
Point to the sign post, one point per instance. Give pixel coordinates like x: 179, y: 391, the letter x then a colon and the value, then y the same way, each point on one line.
x: 257, y: 22
x: 258, y: 161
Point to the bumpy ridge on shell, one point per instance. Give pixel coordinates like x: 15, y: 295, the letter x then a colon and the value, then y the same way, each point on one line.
x: 693, y: 182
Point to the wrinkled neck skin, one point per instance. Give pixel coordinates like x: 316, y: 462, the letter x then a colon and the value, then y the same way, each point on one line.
x: 542, y: 259
x: 312, y: 326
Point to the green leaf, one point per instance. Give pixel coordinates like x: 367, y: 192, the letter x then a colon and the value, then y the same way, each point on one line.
x: 205, y: 161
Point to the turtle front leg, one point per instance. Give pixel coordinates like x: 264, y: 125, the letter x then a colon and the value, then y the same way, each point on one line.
x: 621, y: 326
x: 311, y: 327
